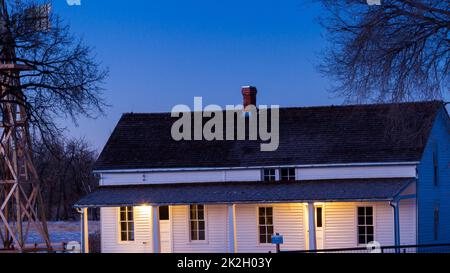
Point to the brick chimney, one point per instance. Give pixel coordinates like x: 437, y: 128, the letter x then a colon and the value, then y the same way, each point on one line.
x: 249, y: 94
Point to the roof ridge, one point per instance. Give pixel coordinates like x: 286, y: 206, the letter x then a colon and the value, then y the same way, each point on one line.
x: 363, y: 105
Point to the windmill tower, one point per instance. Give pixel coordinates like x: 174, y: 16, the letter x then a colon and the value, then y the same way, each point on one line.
x: 21, y: 205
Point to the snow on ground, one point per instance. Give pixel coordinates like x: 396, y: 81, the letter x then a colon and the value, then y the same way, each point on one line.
x: 62, y: 231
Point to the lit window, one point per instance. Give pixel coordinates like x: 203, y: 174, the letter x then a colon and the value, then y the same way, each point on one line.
x: 287, y: 174
x: 265, y: 225
x: 269, y: 174
x: 126, y: 224
x: 365, y: 225
x: 197, y: 222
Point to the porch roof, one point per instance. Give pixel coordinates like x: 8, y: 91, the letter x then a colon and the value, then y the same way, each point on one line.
x: 247, y: 192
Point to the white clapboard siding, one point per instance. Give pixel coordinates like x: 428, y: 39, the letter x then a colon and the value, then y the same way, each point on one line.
x: 304, y: 173
x: 216, y: 230
x: 341, y: 223
x: 111, y: 243
x: 356, y: 172
x: 384, y: 223
x: 166, y: 243
x: 111, y: 179
x: 408, y: 222
x: 288, y: 221
x: 340, y: 227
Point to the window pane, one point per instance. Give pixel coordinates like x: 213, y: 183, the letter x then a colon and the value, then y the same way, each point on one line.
x: 262, y: 230
x: 287, y: 174
x: 369, y: 238
x: 270, y: 230
x: 361, y: 220
x: 123, y: 216
x: 361, y: 239
x: 361, y: 230
x: 164, y: 213
x: 130, y: 226
x: 361, y: 211
x: 292, y: 172
x: 269, y: 174
x: 370, y: 230
x: 131, y: 236
x: 319, y: 217
x: 369, y: 220
x: 369, y: 211
x: 130, y: 215
x: 193, y: 214
x: 201, y: 235
x: 123, y: 226
x: 201, y: 225
x: 262, y: 212
x: 269, y: 211
x: 262, y: 220
x: 123, y: 236
x: 269, y: 221
x: 201, y: 215
x: 193, y: 235
x: 194, y: 225
x: 262, y: 239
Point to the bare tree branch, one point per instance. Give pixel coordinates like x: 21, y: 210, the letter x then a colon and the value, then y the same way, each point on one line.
x: 398, y: 51
x: 64, y: 80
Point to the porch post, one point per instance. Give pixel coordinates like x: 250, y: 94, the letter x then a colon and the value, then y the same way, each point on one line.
x: 155, y: 230
x: 232, y: 228
x: 312, y: 226
x: 395, y: 206
x: 84, y: 230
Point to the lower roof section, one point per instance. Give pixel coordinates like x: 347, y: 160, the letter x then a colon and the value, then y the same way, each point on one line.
x: 247, y: 192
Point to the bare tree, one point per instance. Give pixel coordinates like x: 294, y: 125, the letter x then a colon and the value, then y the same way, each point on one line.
x: 65, y: 172
x: 393, y: 52
x: 63, y: 79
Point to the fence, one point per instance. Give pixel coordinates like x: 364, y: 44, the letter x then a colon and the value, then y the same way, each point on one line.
x: 429, y: 248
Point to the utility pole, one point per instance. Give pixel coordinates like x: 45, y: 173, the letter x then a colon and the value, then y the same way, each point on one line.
x: 21, y: 204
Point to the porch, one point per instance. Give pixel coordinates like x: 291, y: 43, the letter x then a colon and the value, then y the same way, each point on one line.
x: 309, y: 214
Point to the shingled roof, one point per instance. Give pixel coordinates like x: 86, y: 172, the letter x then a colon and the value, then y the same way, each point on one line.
x: 309, y: 135
x: 243, y: 192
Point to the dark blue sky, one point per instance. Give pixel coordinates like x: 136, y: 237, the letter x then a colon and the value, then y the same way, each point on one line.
x: 164, y: 52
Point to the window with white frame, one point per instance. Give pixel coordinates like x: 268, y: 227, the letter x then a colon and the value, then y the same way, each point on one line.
x: 265, y: 224
x: 126, y: 219
x: 365, y: 225
x: 269, y: 174
x: 287, y: 174
x: 197, y: 222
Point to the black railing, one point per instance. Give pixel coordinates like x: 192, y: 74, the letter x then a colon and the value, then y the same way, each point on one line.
x: 429, y: 248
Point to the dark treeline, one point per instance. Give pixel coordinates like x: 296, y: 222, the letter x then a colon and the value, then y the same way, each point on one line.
x: 65, y: 174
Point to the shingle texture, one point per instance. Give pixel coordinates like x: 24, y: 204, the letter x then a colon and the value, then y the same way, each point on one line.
x: 235, y: 192
x: 311, y: 135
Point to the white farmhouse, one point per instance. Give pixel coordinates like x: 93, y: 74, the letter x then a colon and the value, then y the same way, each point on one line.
x: 343, y: 176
